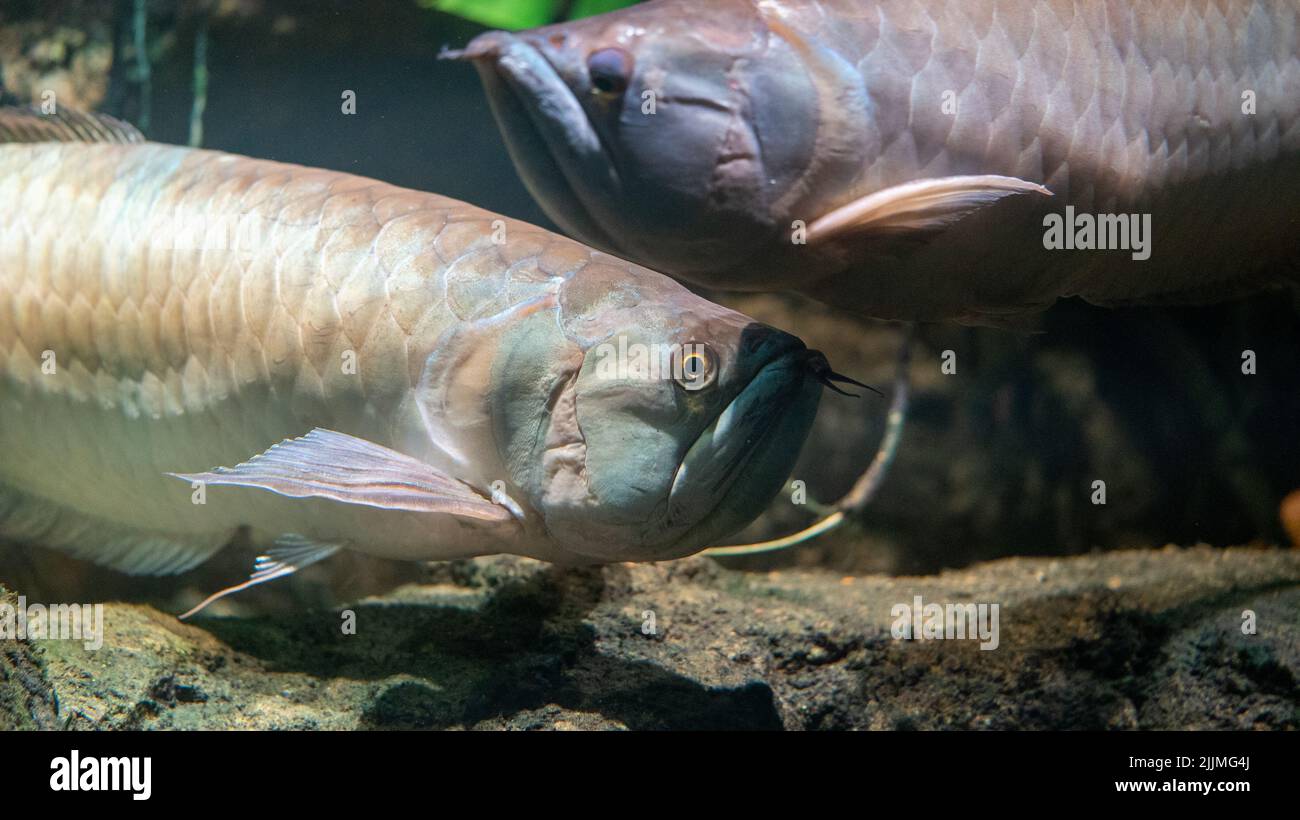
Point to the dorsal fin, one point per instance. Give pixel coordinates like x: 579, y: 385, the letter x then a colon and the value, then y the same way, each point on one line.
x: 20, y: 124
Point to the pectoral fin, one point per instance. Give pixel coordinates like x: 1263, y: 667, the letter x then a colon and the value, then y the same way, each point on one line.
x: 326, y: 464
x: 923, y: 205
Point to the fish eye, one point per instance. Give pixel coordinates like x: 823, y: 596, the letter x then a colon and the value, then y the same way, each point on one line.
x: 610, y: 70
x: 695, y: 367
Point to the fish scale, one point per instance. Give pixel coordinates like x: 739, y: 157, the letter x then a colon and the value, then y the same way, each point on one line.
x: 214, y: 316
x: 1093, y: 71
x: 162, y: 346
x: 1089, y: 98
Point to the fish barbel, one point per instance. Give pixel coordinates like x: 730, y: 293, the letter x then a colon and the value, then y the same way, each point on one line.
x: 894, y: 157
x: 422, y: 379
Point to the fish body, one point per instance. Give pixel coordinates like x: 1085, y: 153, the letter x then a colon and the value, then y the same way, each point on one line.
x: 894, y: 157
x: 423, y: 379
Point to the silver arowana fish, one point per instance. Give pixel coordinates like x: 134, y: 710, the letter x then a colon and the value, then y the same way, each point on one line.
x: 422, y: 379
x: 894, y: 157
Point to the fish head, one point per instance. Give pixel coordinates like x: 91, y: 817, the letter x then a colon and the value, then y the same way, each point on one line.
x: 669, y: 133
x: 663, y: 423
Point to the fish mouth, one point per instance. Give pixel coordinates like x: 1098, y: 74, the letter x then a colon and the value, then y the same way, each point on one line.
x: 556, y: 150
x: 734, y: 468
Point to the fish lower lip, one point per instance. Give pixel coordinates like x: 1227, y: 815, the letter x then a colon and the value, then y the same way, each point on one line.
x: 550, y: 139
x: 721, y: 461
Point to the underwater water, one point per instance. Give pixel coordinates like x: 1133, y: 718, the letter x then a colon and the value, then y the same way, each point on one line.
x: 1135, y: 601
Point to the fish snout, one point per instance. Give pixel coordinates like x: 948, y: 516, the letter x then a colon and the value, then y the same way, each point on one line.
x: 492, y: 46
x: 488, y: 46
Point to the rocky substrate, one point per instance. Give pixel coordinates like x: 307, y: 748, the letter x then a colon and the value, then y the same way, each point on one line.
x: 1147, y: 639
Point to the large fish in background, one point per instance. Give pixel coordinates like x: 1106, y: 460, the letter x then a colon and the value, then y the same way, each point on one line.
x: 422, y: 379
x: 894, y: 157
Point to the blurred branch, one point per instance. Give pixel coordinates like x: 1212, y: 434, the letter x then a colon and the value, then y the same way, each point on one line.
x: 200, y: 83
x: 143, y: 73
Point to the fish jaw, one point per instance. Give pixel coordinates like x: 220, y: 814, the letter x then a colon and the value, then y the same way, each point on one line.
x: 550, y: 139
x: 681, y: 171
x: 747, y: 453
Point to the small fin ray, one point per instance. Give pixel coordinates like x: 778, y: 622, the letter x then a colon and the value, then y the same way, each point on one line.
x: 291, y: 553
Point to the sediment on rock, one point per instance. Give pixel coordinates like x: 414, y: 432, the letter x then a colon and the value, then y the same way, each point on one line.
x: 27, y: 700
x: 1126, y: 640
